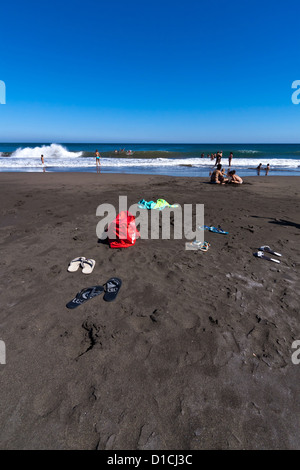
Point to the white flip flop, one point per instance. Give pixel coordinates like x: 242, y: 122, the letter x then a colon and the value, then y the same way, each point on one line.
x: 75, y: 263
x: 260, y: 254
x: 88, y: 265
x: 268, y: 250
x: 197, y: 245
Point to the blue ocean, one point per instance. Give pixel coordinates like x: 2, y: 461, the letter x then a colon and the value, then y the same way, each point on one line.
x: 156, y: 159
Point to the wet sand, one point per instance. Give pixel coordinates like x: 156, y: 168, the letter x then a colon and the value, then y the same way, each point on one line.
x: 195, y: 352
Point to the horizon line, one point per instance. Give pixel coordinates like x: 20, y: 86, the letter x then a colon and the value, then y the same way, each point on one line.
x: 146, y: 143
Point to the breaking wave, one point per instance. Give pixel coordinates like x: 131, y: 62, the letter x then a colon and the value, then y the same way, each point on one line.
x: 49, y: 151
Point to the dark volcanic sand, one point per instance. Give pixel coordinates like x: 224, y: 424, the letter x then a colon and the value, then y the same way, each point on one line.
x: 195, y: 353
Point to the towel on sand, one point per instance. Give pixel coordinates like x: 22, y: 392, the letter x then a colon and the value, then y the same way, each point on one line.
x: 159, y: 204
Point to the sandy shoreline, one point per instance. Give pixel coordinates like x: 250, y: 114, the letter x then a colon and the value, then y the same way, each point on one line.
x: 195, y: 353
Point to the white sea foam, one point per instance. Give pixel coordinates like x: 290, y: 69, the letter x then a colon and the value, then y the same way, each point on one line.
x: 69, y: 162
x: 49, y: 151
x: 198, y: 162
x: 249, y: 151
x: 57, y: 156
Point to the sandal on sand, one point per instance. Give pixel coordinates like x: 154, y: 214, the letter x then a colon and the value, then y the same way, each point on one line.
x: 203, y: 246
x: 112, y: 288
x: 260, y: 254
x: 268, y: 250
x: 88, y: 266
x: 210, y: 228
x: 84, y: 295
x: 218, y: 230
x: 75, y: 263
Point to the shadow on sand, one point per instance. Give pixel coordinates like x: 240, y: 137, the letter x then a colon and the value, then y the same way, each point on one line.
x: 278, y: 221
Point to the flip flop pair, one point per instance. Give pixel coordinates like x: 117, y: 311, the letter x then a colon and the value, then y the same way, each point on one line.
x: 110, y: 288
x: 266, y: 249
x: 86, y: 264
x: 202, y: 246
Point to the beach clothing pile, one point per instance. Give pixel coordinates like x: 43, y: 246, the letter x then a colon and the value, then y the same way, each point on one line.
x: 160, y: 204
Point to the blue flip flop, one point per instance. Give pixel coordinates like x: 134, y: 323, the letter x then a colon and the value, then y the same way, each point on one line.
x: 112, y: 287
x: 218, y: 230
x: 84, y: 295
x: 214, y: 229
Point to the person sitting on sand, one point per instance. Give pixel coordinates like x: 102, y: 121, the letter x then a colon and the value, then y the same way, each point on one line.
x: 235, y: 179
x: 217, y: 176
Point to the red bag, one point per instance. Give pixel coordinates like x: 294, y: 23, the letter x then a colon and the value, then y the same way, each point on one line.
x: 122, y: 232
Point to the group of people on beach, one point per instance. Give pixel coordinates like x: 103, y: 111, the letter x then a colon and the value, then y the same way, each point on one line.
x: 218, y: 176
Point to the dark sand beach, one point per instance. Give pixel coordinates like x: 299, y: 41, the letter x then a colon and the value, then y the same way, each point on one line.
x: 195, y: 352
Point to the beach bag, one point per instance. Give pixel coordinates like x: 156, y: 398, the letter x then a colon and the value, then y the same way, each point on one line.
x: 122, y: 232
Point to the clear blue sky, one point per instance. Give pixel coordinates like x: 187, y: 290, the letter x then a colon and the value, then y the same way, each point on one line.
x: 150, y: 71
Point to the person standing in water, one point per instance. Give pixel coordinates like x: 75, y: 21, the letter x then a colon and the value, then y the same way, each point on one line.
x: 230, y: 159
x: 267, y: 169
x: 219, y: 158
x: 258, y: 168
x: 98, y: 163
x: 43, y: 163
